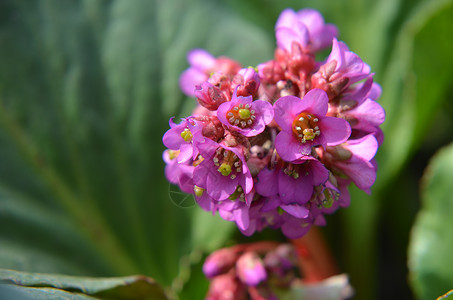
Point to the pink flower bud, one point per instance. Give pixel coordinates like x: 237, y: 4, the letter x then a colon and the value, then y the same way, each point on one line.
x: 247, y: 82
x: 209, y: 95
x: 250, y: 269
x: 219, y: 262
x: 226, y: 287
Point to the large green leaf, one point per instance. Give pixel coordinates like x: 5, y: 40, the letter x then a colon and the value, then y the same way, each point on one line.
x: 72, y: 287
x: 86, y: 90
x: 430, y: 259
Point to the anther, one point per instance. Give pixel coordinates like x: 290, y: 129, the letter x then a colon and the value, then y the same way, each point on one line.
x: 198, y: 191
x: 224, y: 169
x: 315, y: 120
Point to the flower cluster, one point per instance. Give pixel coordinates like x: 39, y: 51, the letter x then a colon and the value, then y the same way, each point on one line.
x: 251, y: 271
x: 277, y: 145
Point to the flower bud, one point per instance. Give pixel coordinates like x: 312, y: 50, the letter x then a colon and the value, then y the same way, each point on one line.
x: 250, y: 269
x: 218, y: 262
x: 209, y: 95
x: 247, y: 82
x: 213, y: 129
x: 226, y: 287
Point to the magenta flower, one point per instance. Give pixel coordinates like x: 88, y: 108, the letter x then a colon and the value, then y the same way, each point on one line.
x: 306, y: 27
x: 222, y: 170
x: 286, y: 160
x: 180, y: 174
x: 304, y: 125
x: 245, y: 116
x: 236, y: 211
x: 355, y: 160
x: 185, y: 137
x: 341, y: 69
x: 293, y: 183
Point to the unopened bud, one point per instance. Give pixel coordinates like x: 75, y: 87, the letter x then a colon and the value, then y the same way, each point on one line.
x: 247, y: 82
x: 213, y: 129
x: 219, y: 262
x: 250, y: 269
x: 209, y: 96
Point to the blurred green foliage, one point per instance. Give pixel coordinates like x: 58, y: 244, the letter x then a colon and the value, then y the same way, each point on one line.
x: 86, y: 91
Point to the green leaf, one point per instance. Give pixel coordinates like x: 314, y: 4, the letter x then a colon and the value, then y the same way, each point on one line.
x: 130, y: 288
x: 431, y: 242
x: 415, y: 87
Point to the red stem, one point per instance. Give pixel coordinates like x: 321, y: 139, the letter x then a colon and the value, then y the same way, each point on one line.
x: 315, y: 259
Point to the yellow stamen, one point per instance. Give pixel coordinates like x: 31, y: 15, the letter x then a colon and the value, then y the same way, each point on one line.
x: 186, y: 135
x: 224, y: 169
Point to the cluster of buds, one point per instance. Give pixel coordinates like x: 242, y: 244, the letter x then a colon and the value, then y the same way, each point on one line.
x: 251, y: 271
x: 277, y: 145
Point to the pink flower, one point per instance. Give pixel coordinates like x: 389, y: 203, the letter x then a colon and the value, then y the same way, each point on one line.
x: 185, y: 137
x: 355, y: 160
x: 304, y: 125
x: 178, y: 173
x: 293, y: 183
x: 222, y: 170
x: 341, y: 69
x: 237, y: 210
x: 202, y: 64
x: 245, y: 116
x: 306, y: 27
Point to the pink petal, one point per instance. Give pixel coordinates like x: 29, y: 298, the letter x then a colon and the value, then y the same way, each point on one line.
x: 334, y: 130
x: 286, y: 109
x: 296, y: 210
x: 316, y: 101
x: 294, y: 190
x: 189, y: 79
x: 267, y: 182
x: 201, y: 59
x: 364, y: 148
x: 289, y: 148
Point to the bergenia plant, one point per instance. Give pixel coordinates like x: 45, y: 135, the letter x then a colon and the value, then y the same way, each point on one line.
x: 277, y: 145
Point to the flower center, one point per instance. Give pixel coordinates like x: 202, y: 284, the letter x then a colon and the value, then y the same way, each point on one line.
x: 227, y: 162
x: 186, y: 135
x: 238, y: 194
x: 241, y: 115
x: 305, y: 127
x: 172, y: 154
